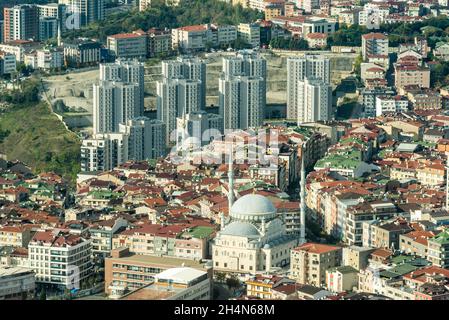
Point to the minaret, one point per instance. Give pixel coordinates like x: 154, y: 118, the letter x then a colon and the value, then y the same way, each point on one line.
x: 302, y: 235
x: 230, y: 182
x: 59, y: 35
x: 447, y: 182
x: 222, y: 221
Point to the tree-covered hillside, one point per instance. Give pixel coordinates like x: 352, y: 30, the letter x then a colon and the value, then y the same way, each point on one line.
x: 162, y: 16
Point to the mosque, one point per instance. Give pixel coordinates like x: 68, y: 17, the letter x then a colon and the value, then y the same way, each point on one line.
x: 254, y: 239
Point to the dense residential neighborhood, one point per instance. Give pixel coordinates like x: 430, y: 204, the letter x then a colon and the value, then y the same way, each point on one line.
x: 284, y: 150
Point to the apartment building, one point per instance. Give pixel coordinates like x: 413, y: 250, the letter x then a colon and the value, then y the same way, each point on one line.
x: 82, y: 53
x: 60, y: 259
x: 146, y: 138
x: 314, y: 100
x: 21, y: 22
x: 115, y: 103
x: 175, y: 240
x: 309, y: 262
x: 384, y: 234
x: 438, y: 248
x: 411, y: 75
x: 250, y: 33
x: 366, y: 211
x: 425, y: 100
x: 15, y: 236
x: 374, y: 44
x: 196, y: 129
x: 391, y: 104
x: 128, y: 45
x: 261, y: 286
x: 199, y: 37
x: 416, y: 242
x: 159, y: 42
x: 84, y: 11
x: 49, y: 59
x: 242, y: 90
x: 299, y: 68
x: 340, y: 279
x: 101, y: 235
x: 356, y: 257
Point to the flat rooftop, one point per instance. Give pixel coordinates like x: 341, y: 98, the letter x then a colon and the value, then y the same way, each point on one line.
x: 151, y: 292
x: 14, y: 271
x: 171, y: 262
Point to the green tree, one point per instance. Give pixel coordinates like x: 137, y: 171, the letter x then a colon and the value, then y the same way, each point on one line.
x: 233, y: 282
x: 357, y: 65
x: 220, y: 277
x: 43, y: 295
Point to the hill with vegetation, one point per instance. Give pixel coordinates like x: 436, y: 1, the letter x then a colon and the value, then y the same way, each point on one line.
x: 162, y: 16
x: 29, y: 132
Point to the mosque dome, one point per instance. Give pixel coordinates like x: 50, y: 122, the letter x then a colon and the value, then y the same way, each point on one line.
x: 253, y: 207
x: 242, y: 229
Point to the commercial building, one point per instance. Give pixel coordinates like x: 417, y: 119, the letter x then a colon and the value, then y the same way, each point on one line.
x: 317, y: 25
x: 176, y: 284
x: 16, y: 283
x: 126, y: 272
